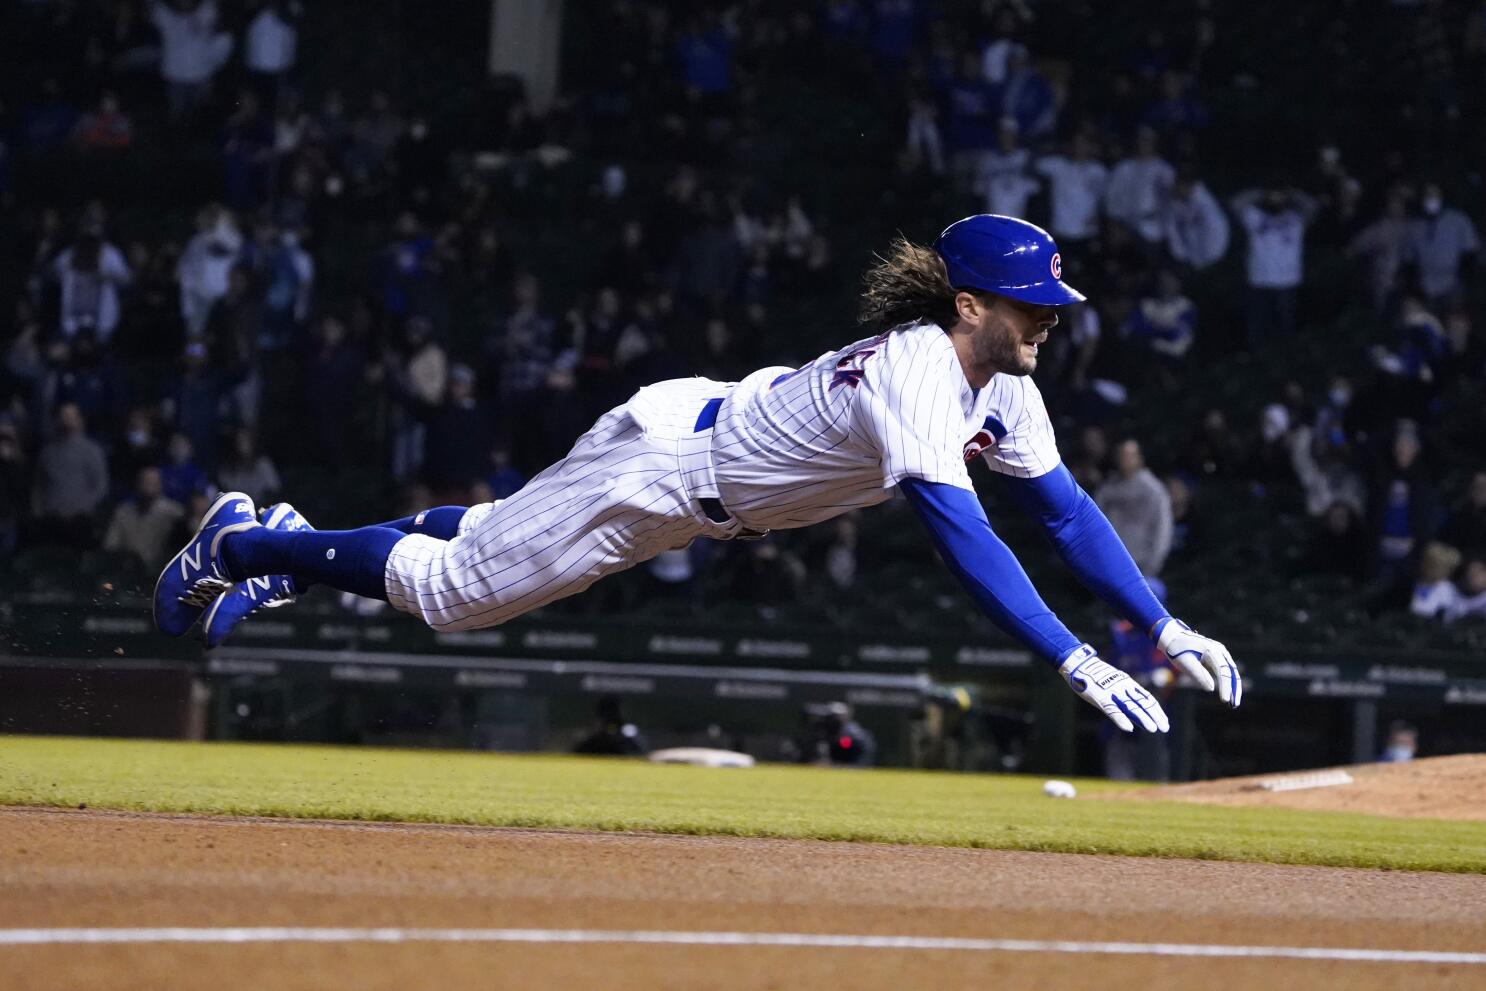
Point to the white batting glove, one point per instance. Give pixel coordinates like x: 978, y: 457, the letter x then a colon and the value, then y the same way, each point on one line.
x: 1112, y: 692
x: 1203, y: 658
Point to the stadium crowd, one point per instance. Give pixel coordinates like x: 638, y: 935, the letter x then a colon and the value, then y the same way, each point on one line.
x: 234, y: 262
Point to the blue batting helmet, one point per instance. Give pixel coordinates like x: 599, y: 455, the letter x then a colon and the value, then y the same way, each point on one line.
x: 1006, y: 256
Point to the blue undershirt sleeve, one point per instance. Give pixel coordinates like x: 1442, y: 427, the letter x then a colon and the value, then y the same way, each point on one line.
x: 1088, y: 544
x: 986, y: 567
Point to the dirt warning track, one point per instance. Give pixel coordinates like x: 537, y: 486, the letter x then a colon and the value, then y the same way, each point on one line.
x: 287, y: 904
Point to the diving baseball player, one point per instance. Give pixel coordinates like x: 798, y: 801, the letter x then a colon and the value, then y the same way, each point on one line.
x: 945, y: 381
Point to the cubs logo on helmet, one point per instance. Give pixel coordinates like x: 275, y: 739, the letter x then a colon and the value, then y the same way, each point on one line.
x: 1007, y: 256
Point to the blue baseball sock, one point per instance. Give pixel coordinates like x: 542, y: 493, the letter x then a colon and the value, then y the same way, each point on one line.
x: 441, y: 523
x: 350, y: 560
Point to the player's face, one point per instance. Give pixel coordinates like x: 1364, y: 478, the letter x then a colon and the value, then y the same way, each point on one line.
x: 1010, y: 333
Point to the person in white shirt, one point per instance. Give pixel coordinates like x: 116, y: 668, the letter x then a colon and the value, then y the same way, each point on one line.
x: 90, y: 274
x: 205, y: 265
x: 191, y: 51
x: 271, y: 44
x: 1138, y: 189
x: 1275, y: 221
x: 1003, y: 178
x: 1196, y: 226
x: 1076, y: 185
x: 1386, y: 244
x: 1441, y: 240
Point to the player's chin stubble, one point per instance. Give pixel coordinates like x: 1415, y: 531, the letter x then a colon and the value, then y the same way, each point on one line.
x: 1000, y: 347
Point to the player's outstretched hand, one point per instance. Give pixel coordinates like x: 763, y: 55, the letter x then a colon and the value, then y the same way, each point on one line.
x: 1112, y: 692
x: 1207, y: 661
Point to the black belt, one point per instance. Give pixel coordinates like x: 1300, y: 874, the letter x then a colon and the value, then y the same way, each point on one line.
x: 715, y: 510
x: 712, y: 506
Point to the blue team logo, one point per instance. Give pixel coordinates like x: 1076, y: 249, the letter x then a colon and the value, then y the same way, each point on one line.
x: 1057, y: 265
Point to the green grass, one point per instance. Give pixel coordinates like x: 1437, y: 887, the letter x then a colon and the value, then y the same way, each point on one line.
x: 989, y: 811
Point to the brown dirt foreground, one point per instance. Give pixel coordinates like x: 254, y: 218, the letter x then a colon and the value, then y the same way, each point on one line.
x: 99, y: 869
x: 1432, y: 788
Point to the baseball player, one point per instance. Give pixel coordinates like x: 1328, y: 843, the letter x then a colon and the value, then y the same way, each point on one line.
x: 945, y: 381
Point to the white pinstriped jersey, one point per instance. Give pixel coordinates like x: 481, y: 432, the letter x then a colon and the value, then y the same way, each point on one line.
x: 795, y: 447
x: 789, y: 448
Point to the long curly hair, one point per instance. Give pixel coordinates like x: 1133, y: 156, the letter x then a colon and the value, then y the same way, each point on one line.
x: 906, y: 284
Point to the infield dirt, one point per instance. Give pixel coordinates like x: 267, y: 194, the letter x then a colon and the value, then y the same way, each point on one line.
x: 106, y: 869
x: 1432, y: 788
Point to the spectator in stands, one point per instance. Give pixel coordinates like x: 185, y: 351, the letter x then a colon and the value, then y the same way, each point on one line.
x: 1003, y: 177
x: 271, y: 44
x: 180, y: 474
x: 1275, y: 221
x: 841, y: 553
x: 1027, y: 98
x: 194, y: 402
x: 1164, y: 322
x: 1403, y: 503
x: 136, y: 447
x: 705, y: 55
x: 410, y: 268
x: 1402, y: 745
x: 90, y: 273
x: 1435, y: 596
x: 106, y: 128
x: 420, y: 162
x: 15, y: 485
x: 1416, y: 358
x: 1076, y: 183
x: 246, y: 469
x: 1186, y: 522
x: 1386, y: 244
x: 144, y: 523
x: 1337, y: 194
x: 1139, y: 186
x: 1178, y: 111
x: 522, y: 354
x: 1467, y: 527
x: 1325, y: 474
x: 48, y: 123
x: 205, y: 266
x: 247, y: 154
x: 418, y: 377
x: 84, y: 374
x: 459, y: 434
x: 1090, y: 459
x: 972, y: 108
x: 1139, y: 507
x: 1441, y: 244
x: 924, y: 144
x: 1472, y: 602
x: 1196, y: 226
x: 1007, y: 27
x: 502, y: 478
x: 192, y: 50
x: 232, y: 332
x: 71, y: 482
x: 1338, y: 544
x: 335, y: 370
x: 1214, y: 449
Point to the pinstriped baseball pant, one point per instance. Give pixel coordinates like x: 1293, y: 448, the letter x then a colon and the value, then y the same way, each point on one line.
x: 620, y: 497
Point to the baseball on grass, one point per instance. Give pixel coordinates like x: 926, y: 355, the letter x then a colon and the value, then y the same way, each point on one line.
x: 1058, y: 789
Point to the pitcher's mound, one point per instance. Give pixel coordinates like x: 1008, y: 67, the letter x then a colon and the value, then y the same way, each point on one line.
x: 1432, y: 788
